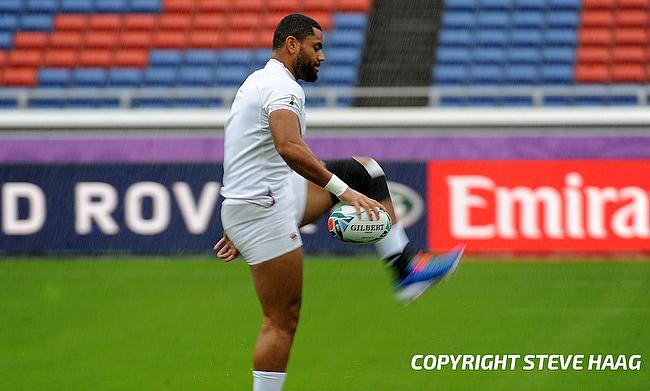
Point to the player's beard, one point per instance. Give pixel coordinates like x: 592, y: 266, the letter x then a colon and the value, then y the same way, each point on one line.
x: 304, y: 68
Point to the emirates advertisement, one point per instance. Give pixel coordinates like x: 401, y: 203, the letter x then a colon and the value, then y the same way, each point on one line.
x: 540, y: 206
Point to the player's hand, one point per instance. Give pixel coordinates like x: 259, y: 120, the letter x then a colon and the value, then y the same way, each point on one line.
x: 358, y: 200
x: 225, y: 249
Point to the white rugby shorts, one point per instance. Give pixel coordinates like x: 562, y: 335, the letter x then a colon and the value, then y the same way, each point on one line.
x: 261, y: 233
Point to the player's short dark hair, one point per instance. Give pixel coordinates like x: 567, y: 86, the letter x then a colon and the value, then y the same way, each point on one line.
x: 295, y: 25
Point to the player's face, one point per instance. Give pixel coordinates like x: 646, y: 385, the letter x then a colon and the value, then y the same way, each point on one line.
x: 309, y: 57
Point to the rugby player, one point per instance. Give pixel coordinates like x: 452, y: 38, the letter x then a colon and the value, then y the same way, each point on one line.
x: 273, y: 184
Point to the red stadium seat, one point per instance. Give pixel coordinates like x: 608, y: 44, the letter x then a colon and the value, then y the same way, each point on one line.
x: 266, y: 38
x: 131, y: 58
x: 209, y: 21
x: 271, y: 19
x: 111, y: 22
x: 61, y: 58
x: 598, y: 4
x: 633, y: 3
x: 353, y: 5
x: 3, y: 58
x: 242, y: 39
x: 631, y: 36
x: 206, y: 39
x: 20, y: 77
x: 318, y: 5
x: 245, y: 21
x: 101, y: 39
x: 31, y: 39
x: 26, y: 58
x: 213, y: 5
x: 597, y: 73
x: 96, y: 58
x: 596, y: 36
x: 593, y: 54
x: 171, y: 39
x: 76, y: 22
x: 136, y: 39
x: 628, y: 73
x: 323, y: 18
x: 286, y: 6
x: 597, y: 18
x: 134, y: 22
x: 631, y: 18
x: 181, y: 6
x: 248, y: 5
x: 66, y: 39
x: 629, y: 54
x: 176, y: 22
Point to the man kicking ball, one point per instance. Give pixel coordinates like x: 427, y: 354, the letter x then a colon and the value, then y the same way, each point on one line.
x: 273, y: 184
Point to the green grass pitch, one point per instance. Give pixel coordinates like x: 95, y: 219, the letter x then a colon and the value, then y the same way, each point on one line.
x: 185, y: 324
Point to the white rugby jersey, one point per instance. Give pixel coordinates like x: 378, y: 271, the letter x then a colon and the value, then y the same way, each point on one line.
x: 253, y: 169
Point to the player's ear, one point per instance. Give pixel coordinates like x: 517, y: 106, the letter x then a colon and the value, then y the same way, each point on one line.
x: 292, y: 44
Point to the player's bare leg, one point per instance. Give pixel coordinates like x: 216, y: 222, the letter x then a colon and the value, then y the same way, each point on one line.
x: 278, y: 283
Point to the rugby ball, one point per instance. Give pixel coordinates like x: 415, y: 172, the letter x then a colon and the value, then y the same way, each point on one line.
x: 344, y: 224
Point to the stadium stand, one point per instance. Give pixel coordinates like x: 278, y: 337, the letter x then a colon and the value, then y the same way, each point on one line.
x: 108, y: 44
x: 542, y: 43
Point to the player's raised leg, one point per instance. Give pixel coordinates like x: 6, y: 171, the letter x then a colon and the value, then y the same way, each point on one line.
x: 278, y: 283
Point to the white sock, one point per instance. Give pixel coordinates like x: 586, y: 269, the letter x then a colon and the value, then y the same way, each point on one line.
x: 394, y: 243
x: 268, y: 381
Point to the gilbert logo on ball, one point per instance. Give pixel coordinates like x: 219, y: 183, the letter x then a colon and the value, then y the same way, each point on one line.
x: 344, y: 224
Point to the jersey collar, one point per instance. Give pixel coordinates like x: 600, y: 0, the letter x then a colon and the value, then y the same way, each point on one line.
x: 279, y: 64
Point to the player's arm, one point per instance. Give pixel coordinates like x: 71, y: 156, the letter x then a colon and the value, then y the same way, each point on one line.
x: 285, y: 130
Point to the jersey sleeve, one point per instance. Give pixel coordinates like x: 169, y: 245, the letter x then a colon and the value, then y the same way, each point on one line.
x: 288, y: 97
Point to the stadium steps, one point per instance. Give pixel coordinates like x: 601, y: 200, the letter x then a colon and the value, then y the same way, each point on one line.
x: 398, y: 49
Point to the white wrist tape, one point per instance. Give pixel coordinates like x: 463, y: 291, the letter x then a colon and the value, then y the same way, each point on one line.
x: 336, y: 186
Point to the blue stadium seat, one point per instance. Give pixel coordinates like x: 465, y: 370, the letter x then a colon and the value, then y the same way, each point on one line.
x: 6, y: 40
x: 151, y: 103
x: 42, y: 6
x: 458, y: 19
x: 453, y: 55
x: 559, y: 55
x: 11, y: 6
x: 623, y: 100
x: 453, y: 101
x: 521, y: 74
x: 488, y: 55
x: 493, y: 19
x: 530, y: 4
x: 557, y: 74
x: 241, y: 57
x: 526, y: 37
x: 461, y: 4
x: 455, y: 37
x: 589, y: 100
x: 520, y: 101
x: 90, y: 77
x: 338, y: 75
x: 450, y: 74
x: 231, y: 76
x: 523, y: 55
x: 8, y: 22
x: 125, y: 77
x: 343, y: 56
x: 160, y: 77
x: 494, y: 4
x: 478, y: 101
x: 492, y: 38
x: 8, y: 104
x: 49, y: 103
x: 562, y: 19
x: 530, y: 19
x: 54, y: 77
x: 76, y: 6
x: 145, y: 6
x: 560, y: 100
x: 91, y: 103
x: 350, y: 21
x: 262, y: 56
x: 486, y: 74
x: 165, y: 58
x: 565, y: 4
x: 36, y: 22
x: 112, y: 6
x: 196, y: 76
x: 201, y: 57
x: 560, y: 37
x: 345, y: 38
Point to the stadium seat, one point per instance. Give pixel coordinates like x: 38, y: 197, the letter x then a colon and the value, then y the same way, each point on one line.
x: 528, y: 19
x: 567, y: 5
x: 596, y: 36
x: 458, y: 19
x: 238, y: 57
x: 598, y: 4
x: 486, y: 74
x: 338, y: 75
x: 560, y: 37
x: 112, y: 6
x: 492, y: 38
x: 523, y: 55
x: 144, y: 6
x: 170, y: 39
x: 247, y: 5
x: 96, y: 58
x: 136, y: 39
x: 262, y: 56
x: 318, y: 5
x: 130, y: 57
x: 6, y: 40
x: 352, y: 5
x: 206, y: 39
x: 449, y: 55
x: 73, y: 22
x: 174, y: 22
x: 64, y: 58
x: 31, y: 39
x: 596, y: 18
x: 100, y: 39
x: 196, y: 76
x: 105, y: 22
x: 521, y: 74
x: 494, y: 19
x: 488, y: 55
x: 160, y: 76
x: 209, y: 21
x: 35, y: 22
x: 526, y: 37
x: 345, y: 38
x: 630, y: 54
x: 53, y: 77
x: 231, y: 76
x: 558, y: 55
x: 30, y: 58
x: 557, y: 74
x: 125, y: 77
x: 166, y: 58
x: 41, y: 6
x: 76, y: 6
x: 450, y: 75
x: 241, y: 39
x: 562, y: 19
x: 8, y: 22
x: 137, y: 22
x: 630, y: 36
x: 178, y: 6
x: 11, y: 7
x: 20, y: 77
x: 350, y: 21
x: 530, y: 4
x: 628, y: 73
x: 200, y: 57
x: 455, y: 37
x: 66, y: 39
